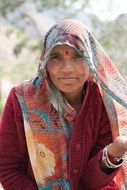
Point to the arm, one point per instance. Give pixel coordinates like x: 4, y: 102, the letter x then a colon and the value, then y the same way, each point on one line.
x: 13, y: 151
x: 95, y: 174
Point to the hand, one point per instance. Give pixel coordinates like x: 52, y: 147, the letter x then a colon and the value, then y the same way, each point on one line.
x: 118, y: 147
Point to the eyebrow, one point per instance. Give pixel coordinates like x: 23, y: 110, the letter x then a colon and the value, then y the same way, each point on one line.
x: 74, y: 53
x: 54, y: 53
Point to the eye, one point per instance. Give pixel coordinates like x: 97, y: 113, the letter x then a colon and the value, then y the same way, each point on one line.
x: 55, y: 56
x: 76, y: 55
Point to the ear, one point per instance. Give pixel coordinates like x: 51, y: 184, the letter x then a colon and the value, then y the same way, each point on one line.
x: 41, y: 55
x: 46, y: 74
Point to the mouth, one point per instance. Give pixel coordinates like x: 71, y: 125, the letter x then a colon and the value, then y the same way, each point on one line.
x: 67, y: 78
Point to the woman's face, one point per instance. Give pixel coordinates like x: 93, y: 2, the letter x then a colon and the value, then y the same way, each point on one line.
x: 67, y: 69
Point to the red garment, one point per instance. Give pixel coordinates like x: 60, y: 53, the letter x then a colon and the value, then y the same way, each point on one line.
x: 90, y: 134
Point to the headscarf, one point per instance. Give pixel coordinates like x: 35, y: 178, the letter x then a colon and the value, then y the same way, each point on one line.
x: 112, y: 86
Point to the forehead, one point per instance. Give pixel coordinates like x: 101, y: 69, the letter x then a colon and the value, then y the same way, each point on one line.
x: 62, y: 48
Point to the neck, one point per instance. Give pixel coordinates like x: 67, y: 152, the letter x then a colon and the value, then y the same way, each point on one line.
x: 75, y: 99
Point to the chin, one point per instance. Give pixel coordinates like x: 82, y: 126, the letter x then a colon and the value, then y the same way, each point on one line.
x: 67, y: 90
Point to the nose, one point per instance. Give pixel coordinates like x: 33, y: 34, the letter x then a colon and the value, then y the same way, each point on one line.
x: 67, y: 65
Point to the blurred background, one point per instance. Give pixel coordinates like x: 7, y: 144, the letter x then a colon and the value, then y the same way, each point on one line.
x: 23, y: 24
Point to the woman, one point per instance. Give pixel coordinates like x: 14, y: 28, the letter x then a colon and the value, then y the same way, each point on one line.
x: 56, y: 130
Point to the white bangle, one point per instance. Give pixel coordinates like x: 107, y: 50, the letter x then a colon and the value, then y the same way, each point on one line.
x: 106, y: 160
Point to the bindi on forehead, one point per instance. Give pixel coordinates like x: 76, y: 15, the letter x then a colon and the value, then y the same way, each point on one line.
x: 66, y: 52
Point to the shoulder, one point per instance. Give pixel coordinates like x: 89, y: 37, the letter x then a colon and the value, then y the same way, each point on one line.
x: 12, y: 105
x: 12, y: 98
x: 11, y: 112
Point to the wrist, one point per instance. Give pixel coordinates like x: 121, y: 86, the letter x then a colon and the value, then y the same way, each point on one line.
x: 109, y: 160
x: 115, y: 160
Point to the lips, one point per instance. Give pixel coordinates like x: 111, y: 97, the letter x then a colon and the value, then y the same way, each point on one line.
x: 67, y: 78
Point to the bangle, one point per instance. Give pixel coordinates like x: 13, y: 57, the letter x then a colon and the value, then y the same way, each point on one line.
x: 105, y: 158
x: 115, y: 160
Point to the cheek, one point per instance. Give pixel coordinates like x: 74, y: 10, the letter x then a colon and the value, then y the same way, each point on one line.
x: 51, y: 69
x: 84, y: 70
x: 52, y: 74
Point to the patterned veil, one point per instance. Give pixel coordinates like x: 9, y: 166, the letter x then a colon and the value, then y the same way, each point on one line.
x: 112, y: 86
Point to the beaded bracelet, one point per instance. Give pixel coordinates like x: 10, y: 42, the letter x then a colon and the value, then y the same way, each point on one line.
x: 107, y: 161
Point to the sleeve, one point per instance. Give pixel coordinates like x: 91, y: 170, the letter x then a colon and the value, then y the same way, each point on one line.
x: 96, y: 175
x: 13, y: 150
